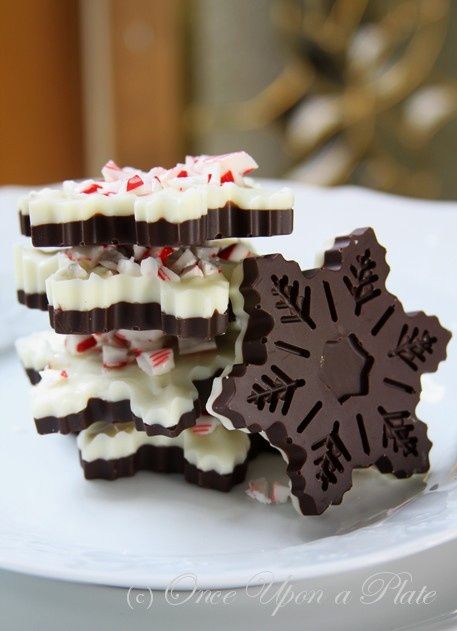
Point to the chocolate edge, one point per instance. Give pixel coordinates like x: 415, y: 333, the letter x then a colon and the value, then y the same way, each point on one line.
x: 136, y: 316
x: 226, y: 222
x: 33, y: 301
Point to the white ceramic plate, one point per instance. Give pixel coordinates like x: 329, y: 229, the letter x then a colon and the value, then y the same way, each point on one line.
x: 149, y: 529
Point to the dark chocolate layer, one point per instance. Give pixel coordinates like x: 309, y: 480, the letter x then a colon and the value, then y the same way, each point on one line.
x: 136, y: 316
x: 162, y: 460
x: 219, y: 223
x: 24, y: 224
x: 117, y: 411
x: 33, y: 301
x: 110, y: 412
x: 33, y: 375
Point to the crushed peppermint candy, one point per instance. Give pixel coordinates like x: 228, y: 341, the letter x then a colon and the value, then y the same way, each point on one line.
x: 77, y: 344
x: 156, y: 363
x: 167, y: 274
x: 115, y: 357
x: 129, y: 267
x: 196, y: 171
x: 141, y: 341
x: 205, y: 425
x: 192, y: 271
x: 169, y: 264
x: 235, y: 252
x: 182, y: 260
x: 207, y: 268
x: 141, y: 252
x: 149, y: 267
x: 261, y: 491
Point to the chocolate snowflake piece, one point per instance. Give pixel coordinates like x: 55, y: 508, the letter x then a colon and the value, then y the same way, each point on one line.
x: 331, y: 369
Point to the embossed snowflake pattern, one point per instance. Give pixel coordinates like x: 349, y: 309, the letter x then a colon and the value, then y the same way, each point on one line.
x: 331, y: 371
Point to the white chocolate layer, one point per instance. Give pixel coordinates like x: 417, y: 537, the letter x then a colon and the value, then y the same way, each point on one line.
x: 58, y: 205
x: 161, y: 399
x: 53, y: 205
x: 193, y: 203
x: 219, y: 451
x: 32, y: 267
x: 187, y: 298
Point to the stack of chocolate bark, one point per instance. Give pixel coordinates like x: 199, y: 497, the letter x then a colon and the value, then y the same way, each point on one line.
x: 173, y: 349
x: 135, y: 271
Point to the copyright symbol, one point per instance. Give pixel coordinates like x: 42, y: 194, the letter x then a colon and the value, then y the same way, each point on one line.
x: 140, y: 599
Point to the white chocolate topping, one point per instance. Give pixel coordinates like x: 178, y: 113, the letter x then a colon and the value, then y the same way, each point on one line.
x: 185, y: 192
x: 186, y: 282
x: 160, y: 399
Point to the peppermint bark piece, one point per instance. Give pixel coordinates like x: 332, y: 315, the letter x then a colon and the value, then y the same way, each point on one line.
x: 108, y: 382
x: 182, y: 291
x: 207, y: 455
x: 329, y: 369
x: 207, y: 197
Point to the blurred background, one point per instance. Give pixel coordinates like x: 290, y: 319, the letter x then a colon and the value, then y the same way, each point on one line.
x: 324, y: 91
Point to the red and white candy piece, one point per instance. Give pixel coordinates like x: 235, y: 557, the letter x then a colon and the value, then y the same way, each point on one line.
x: 129, y: 267
x: 280, y: 493
x: 141, y: 341
x: 156, y: 362
x: 167, y: 275
x: 208, y: 269
x: 90, y: 187
x: 149, y: 267
x: 205, y: 425
x: 115, y: 357
x: 134, y: 182
x: 113, y: 338
x: 141, y: 252
x: 111, y: 172
x: 164, y: 253
x: 206, y: 252
x: 235, y: 252
x: 193, y: 271
x: 110, y: 258
x: 260, y: 491
x: 77, y: 344
x: 197, y: 171
x: 185, y: 260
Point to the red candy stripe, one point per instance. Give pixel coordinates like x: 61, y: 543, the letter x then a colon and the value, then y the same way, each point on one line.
x: 226, y: 252
x: 160, y: 357
x: 134, y: 182
x: 227, y: 177
x: 165, y: 253
x: 86, y: 344
x: 91, y: 188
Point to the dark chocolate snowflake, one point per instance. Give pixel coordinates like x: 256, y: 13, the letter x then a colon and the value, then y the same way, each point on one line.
x: 331, y: 369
